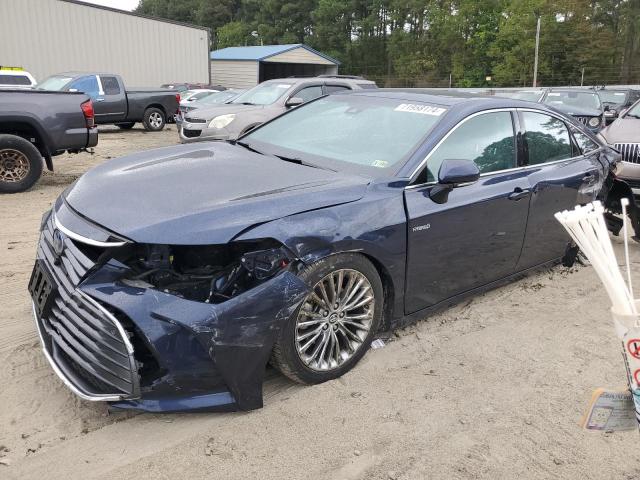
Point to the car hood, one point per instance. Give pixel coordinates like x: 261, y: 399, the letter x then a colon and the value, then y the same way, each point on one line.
x: 622, y: 130
x: 205, y: 193
x: 209, y: 113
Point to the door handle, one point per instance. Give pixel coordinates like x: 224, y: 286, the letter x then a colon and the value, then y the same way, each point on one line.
x: 519, y: 193
x: 589, y: 178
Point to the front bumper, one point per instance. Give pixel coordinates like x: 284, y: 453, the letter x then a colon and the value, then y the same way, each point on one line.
x: 183, y: 355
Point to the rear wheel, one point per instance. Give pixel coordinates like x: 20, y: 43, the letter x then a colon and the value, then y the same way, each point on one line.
x: 153, y: 119
x: 126, y: 126
x: 335, y: 324
x: 20, y: 164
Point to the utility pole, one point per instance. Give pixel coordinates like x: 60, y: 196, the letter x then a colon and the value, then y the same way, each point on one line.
x: 535, y: 62
x: 450, y: 80
x: 582, y: 79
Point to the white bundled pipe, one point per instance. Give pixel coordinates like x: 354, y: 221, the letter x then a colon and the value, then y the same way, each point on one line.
x: 587, y: 227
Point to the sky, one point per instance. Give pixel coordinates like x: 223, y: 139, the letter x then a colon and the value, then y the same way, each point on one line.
x: 121, y: 4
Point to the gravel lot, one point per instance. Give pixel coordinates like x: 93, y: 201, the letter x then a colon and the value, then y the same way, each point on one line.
x: 492, y: 388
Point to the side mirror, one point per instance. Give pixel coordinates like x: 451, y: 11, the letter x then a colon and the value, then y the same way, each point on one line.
x: 453, y: 173
x: 294, y: 102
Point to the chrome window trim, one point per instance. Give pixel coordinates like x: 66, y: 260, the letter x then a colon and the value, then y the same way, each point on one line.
x: 82, y: 239
x: 417, y: 170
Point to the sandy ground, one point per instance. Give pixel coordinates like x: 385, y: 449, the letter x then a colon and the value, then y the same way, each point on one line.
x: 490, y: 389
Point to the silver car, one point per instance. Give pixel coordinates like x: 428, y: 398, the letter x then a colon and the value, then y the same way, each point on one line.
x: 260, y: 104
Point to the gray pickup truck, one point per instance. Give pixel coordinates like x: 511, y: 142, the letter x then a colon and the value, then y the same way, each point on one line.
x: 39, y: 125
x: 113, y: 104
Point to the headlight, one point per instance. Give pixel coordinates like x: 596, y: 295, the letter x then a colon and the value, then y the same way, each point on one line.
x: 222, y: 121
x: 594, y: 121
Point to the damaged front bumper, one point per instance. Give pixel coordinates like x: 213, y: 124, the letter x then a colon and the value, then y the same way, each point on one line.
x: 145, y: 349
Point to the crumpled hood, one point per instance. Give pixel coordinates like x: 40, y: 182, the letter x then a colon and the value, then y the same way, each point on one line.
x: 204, y: 193
x: 622, y: 130
x: 209, y: 113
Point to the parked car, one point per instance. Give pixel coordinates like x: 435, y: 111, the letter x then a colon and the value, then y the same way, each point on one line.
x: 183, y: 87
x: 215, y: 99
x: 582, y: 104
x: 16, y: 79
x: 299, y: 242
x: 260, y: 104
x: 624, y: 135
x: 36, y: 126
x: 617, y: 99
x: 531, y: 95
x: 113, y: 104
x: 196, y: 94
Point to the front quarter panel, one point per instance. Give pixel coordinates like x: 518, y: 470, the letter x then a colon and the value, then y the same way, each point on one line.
x: 374, y: 226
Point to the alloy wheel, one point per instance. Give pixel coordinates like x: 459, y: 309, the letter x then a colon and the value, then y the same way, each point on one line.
x: 14, y: 165
x: 155, y: 120
x: 334, y: 320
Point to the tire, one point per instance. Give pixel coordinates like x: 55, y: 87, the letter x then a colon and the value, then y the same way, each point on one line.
x: 153, y: 119
x: 289, y: 354
x: 20, y: 164
x: 126, y: 126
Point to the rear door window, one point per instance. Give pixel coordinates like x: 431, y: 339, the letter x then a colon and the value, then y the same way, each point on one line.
x: 88, y: 85
x: 110, y: 85
x: 546, y: 137
x: 487, y: 139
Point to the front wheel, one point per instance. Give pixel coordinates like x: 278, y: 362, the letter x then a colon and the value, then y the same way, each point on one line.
x: 334, y: 326
x: 20, y: 164
x: 153, y: 119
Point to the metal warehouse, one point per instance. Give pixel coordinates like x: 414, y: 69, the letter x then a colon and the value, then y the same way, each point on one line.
x: 244, y: 67
x: 52, y: 36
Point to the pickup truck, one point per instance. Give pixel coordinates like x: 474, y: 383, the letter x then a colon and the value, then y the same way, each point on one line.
x: 39, y: 125
x: 113, y: 104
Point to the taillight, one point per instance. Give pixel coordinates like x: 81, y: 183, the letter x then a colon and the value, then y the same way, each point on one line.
x: 87, y: 110
x: 178, y: 99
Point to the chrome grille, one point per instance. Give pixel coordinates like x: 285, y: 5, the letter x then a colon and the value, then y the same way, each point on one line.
x: 84, y: 340
x: 194, y: 120
x: 630, y: 151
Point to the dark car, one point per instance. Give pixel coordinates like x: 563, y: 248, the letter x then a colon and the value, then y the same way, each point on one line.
x: 113, y: 104
x: 183, y: 87
x: 581, y: 103
x: 40, y: 125
x: 299, y: 242
x: 615, y: 100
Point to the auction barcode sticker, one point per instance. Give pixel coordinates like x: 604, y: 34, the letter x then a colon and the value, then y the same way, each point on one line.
x: 423, y: 109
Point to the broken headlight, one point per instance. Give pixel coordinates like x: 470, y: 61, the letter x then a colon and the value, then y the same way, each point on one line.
x: 210, y: 274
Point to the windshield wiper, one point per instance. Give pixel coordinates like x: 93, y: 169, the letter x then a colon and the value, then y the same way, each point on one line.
x: 299, y: 161
x: 245, y: 145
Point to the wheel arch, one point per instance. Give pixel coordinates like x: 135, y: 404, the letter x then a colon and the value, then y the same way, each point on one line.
x: 25, y: 128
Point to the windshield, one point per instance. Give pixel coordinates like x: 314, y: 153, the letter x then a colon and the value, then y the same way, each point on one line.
x: 610, y: 96
x: 54, y: 84
x: 219, y: 97
x: 574, y: 99
x: 529, y: 95
x: 349, y: 132
x: 634, y: 111
x: 264, y: 94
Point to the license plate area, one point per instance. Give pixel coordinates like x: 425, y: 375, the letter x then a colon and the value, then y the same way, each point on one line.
x: 41, y: 288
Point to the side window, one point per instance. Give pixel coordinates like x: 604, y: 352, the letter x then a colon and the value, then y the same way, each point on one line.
x: 546, y: 137
x: 487, y: 139
x: 110, y: 85
x: 584, y: 142
x: 336, y: 88
x: 309, y: 93
x: 88, y: 85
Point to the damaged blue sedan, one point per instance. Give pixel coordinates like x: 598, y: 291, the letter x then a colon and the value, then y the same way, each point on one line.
x: 167, y: 280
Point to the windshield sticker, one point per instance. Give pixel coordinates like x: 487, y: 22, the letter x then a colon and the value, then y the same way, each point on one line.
x: 423, y: 109
x: 619, y: 94
x: 554, y: 94
x: 283, y: 85
x: 380, y: 163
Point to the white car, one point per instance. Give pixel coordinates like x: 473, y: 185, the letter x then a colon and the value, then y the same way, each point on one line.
x: 16, y: 79
x: 195, y: 94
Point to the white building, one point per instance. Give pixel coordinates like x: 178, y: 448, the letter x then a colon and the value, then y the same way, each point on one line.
x: 51, y: 36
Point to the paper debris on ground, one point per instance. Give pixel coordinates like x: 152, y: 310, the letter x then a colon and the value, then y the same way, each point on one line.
x: 610, y: 410
x: 377, y: 343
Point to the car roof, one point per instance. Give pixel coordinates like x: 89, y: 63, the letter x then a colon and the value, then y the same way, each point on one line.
x: 441, y: 97
x: 322, y: 78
